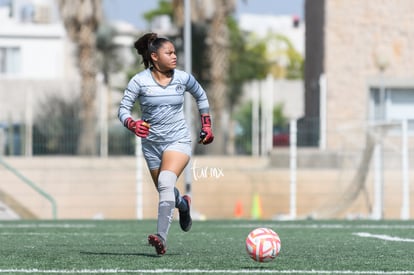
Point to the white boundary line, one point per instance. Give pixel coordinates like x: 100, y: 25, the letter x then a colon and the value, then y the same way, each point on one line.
x: 47, y: 225
x: 319, y: 226
x: 203, y: 271
x: 383, y: 237
x: 248, y: 225
x: 65, y: 233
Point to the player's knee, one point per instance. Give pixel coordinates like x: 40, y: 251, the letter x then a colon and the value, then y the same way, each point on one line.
x: 166, y: 183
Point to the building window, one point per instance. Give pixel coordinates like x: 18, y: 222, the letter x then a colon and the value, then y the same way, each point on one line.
x: 10, y: 60
x: 392, y: 104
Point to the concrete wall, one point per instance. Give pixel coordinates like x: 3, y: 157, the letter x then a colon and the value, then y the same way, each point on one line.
x: 86, y: 188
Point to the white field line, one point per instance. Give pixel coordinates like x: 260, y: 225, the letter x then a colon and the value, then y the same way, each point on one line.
x: 249, y: 225
x: 319, y: 226
x: 383, y: 237
x: 47, y: 225
x: 203, y: 271
x: 64, y: 233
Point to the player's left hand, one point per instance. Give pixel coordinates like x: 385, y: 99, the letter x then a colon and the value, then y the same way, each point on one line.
x: 206, y: 134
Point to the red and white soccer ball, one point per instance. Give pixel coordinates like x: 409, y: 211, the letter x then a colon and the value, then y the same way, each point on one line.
x: 263, y: 244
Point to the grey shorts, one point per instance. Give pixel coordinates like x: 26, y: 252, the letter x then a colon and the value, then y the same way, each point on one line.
x: 153, y: 151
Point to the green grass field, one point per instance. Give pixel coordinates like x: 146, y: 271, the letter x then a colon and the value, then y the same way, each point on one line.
x: 211, y: 247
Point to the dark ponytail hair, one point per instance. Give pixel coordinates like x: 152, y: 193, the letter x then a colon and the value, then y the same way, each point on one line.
x: 147, y: 44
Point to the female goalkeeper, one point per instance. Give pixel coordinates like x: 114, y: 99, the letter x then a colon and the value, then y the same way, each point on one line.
x: 166, y: 140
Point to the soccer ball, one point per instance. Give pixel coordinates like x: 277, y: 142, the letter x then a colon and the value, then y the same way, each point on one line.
x: 263, y: 244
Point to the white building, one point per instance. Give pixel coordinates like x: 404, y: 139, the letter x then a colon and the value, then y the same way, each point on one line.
x: 32, y: 42
x: 35, y: 61
x: 35, y: 57
x: 38, y: 59
x: 289, y: 26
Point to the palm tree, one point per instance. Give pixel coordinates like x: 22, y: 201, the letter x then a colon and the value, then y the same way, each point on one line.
x: 218, y: 41
x: 81, y: 19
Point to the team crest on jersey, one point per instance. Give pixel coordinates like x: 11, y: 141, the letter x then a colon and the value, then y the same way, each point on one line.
x: 180, y: 89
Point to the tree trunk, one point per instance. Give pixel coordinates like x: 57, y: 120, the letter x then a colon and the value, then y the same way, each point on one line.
x: 87, y: 139
x: 218, y: 42
x: 81, y: 19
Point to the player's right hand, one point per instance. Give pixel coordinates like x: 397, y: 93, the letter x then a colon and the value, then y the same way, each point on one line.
x: 139, y: 127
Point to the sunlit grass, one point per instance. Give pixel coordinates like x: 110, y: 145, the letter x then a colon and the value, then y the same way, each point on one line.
x: 210, y: 247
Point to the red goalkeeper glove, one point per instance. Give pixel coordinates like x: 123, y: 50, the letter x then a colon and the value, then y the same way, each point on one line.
x: 206, y: 134
x: 139, y: 127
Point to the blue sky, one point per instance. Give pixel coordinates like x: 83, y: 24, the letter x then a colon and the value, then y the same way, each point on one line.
x: 132, y: 10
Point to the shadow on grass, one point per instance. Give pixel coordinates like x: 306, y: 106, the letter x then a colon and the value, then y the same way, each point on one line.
x: 151, y: 255
x: 118, y: 254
